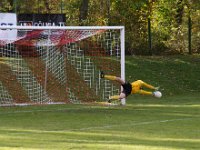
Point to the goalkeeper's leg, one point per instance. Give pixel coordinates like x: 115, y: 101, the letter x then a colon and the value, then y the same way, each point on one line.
x: 148, y: 85
x: 143, y: 92
x: 117, y: 97
x: 113, y: 78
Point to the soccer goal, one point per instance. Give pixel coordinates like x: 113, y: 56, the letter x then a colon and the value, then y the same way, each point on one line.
x: 48, y: 65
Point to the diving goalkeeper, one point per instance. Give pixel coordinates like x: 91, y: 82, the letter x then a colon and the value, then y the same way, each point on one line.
x: 131, y: 88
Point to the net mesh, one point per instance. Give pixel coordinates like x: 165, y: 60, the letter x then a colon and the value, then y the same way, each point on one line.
x: 58, y: 66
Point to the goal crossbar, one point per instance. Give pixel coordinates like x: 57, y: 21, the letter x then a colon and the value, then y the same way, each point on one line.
x: 62, y: 27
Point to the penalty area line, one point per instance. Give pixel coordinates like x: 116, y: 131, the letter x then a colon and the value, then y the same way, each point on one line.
x: 133, y: 124
x: 107, y: 126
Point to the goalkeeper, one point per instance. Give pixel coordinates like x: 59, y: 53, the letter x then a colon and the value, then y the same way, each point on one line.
x: 130, y: 88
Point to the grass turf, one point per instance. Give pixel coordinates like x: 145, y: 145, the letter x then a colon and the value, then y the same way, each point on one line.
x: 171, y: 123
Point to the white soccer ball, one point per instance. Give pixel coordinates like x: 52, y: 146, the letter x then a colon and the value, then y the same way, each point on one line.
x: 158, y: 94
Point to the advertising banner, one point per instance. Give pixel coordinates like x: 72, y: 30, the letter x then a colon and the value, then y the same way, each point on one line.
x: 8, y: 19
x: 41, y: 19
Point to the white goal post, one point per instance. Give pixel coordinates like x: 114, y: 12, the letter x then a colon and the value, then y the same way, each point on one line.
x: 51, y: 64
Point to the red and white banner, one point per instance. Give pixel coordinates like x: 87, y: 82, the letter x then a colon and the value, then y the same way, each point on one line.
x: 8, y: 19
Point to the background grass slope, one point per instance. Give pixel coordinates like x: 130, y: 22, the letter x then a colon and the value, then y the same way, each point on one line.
x: 174, y: 74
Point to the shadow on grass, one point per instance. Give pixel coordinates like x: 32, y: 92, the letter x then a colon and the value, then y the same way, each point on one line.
x: 91, y: 139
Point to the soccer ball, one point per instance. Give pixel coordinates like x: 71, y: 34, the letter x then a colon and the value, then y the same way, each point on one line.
x: 157, y: 94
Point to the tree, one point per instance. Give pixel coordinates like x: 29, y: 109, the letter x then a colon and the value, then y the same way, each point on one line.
x: 179, y: 12
x: 83, y: 11
x: 5, y: 6
x: 169, y: 19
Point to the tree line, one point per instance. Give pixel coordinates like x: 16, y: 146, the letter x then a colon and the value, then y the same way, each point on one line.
x: 152, y: 26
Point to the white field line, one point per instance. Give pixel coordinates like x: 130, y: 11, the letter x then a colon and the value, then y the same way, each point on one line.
x: 107, y: 126
x: 44, y: 110
x: 135, y: 124
x: 99, y: 127
x: 39, y: 110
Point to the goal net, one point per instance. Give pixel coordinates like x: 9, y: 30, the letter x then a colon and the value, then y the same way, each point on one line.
x: 47, y: 65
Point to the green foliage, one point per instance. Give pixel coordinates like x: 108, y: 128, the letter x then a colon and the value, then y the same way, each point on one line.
x: 133, y: 15
x: 169, y: 20
x: 5, y: 6
x: 71, y: 8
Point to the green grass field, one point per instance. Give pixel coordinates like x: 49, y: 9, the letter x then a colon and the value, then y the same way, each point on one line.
x: 145, y: 123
